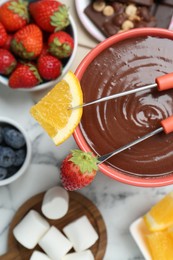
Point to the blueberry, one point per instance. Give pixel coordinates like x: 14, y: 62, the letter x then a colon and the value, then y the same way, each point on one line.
x: 12, y: 170
x: 13, y: 138
x: 7, y: 156
x: 1, y: 134
x: 3, y: 173
x: 19, y: 157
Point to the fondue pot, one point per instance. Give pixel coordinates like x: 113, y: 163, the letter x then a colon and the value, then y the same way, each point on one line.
x: 122, y: 62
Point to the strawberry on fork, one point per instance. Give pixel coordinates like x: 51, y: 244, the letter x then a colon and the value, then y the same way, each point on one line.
x: 78, y: 170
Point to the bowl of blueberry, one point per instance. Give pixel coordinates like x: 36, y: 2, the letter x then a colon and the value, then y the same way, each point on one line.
x: 15, y: 151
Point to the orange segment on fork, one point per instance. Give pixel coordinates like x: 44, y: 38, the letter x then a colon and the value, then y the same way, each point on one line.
x: 52, y: 111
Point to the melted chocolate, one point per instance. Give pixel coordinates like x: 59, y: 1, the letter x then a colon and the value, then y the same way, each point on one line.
x: 109, y: 125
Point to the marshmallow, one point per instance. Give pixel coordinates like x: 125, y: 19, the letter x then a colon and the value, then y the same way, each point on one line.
x: 55, y: 203
x: 55, y: 244
x: 81, y: 233
x: 36, y: 255
x: 84, y: 255
x: 30, y: 229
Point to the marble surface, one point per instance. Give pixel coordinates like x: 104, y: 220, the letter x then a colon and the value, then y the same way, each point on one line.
x: 118, y: 203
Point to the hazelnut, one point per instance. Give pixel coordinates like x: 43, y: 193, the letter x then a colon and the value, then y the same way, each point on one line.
x: 99, y: 6
x: 134, y: 18
x: 108, y: 10
x: 131, y: 10
x: 127, y: 25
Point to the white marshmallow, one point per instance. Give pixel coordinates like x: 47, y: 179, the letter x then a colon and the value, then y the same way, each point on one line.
x: 55, y: 203
x: 30, y: 229
x: 55, y: 244
x: 81, y: 233
x: 84, y: 255
x: 37, y: 255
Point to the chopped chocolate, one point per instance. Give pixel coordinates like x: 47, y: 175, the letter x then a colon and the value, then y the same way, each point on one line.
x: 139, y: 2
x: 140, y: 13
x: 110, y: 29
x: 118, y: 7
x: 163, y: 14
x: 167, y: 2
x: 143, y: 12
x: 112, y: 17
x: 119, y: 19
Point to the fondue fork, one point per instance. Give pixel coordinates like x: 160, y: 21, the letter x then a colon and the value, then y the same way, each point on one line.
x: 166, y: 126
x: 162, y: 83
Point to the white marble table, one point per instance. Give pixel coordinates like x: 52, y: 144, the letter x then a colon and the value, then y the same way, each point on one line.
x: 119, y: 204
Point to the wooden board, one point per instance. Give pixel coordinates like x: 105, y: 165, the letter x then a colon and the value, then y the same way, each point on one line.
x: 79, y: 205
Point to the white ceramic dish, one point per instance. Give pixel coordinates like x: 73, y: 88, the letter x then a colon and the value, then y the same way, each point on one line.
x: 24, y: 167
x: 87, y: 23
x: 138, y: 231
x: 49, y: 84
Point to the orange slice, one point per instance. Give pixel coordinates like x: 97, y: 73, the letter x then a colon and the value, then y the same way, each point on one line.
x: 160, y: 215
x: 160, y: 245
x: 52, y: 111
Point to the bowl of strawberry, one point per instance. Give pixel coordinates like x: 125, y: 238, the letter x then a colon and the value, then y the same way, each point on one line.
x: 38, y: 43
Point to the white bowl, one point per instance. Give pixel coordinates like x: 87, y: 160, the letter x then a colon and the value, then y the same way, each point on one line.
x: 25, y: 165
x: 49, y: 84
x: 138, y: 231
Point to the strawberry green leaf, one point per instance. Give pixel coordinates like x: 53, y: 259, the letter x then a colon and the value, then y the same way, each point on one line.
x: 10, y: 68
x: 84, y: 160
x: 19, y: 49
x: 60, y: 50
x: 20, y: 8
x: 60, y: 18
x: 35, y: 72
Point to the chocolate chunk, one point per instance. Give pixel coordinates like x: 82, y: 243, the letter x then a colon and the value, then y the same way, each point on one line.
x: 110, y: 29
x: 163, y: 14
x: 143, y: 12
x: 98, y: 18
x: 119, y: 19
x: 165, y: 2
x: 143, y: 23
x: 118, y: 7
x: 139, y: 2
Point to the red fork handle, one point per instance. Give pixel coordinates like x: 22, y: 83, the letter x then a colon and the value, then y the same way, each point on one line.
x: 165, y: 82
x: 167, y: 125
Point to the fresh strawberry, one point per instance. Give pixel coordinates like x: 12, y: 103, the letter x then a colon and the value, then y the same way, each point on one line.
x: 49, y: 67
x: 78, y: 170
x: 27, y: 43
x: 7, y: 62
x: 44, y: 50
x: 7, y: 44
x: 49, y: 15
x: 14, y: 14
x: 24, y: 76
x: 3, y: 35
x: 60, y: 44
